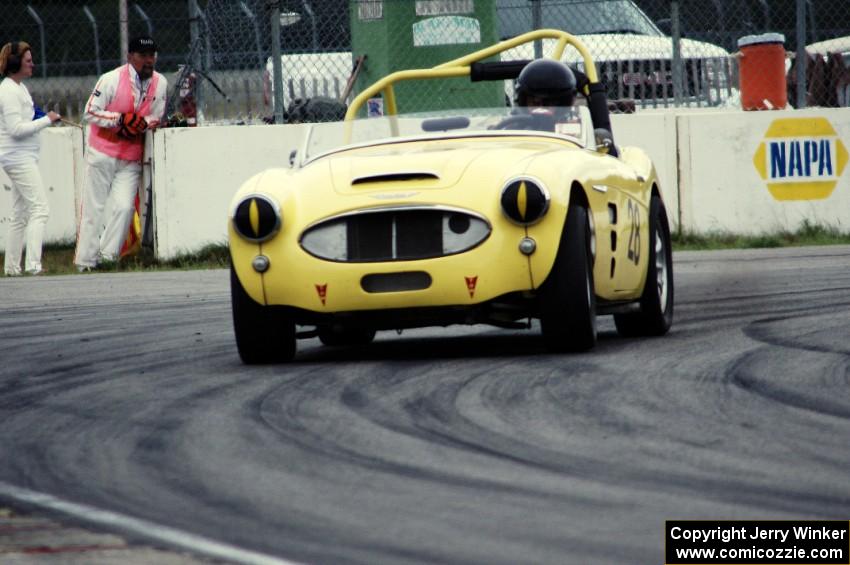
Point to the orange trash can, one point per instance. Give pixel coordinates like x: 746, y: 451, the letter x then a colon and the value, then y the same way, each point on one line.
x: 761, y: 72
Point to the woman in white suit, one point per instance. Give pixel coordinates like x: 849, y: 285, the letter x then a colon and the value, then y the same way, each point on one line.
x: 19, y: 148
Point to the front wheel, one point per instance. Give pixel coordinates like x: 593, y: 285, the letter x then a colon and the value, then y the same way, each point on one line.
x: 567, y: 297
x: 264, y: 334
x: 656, y: 302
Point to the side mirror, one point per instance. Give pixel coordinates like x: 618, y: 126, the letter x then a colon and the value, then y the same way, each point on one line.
x: 604, y: 140
x: 292, y: 155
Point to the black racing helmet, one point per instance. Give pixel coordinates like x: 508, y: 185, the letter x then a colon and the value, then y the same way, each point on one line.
x: 545, y: 82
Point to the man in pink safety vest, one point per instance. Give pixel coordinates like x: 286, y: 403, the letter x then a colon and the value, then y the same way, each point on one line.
x: 125, y: 103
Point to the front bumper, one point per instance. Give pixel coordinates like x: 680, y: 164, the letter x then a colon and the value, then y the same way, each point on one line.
x: 297, y: 279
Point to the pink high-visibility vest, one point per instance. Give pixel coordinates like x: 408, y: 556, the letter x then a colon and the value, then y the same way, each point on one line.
x: 107, y: 141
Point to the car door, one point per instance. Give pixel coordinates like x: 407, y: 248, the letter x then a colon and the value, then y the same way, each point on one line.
x: 622, y: 230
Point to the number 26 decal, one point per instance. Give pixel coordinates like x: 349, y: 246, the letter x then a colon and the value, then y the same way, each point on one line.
x: 634, y: 233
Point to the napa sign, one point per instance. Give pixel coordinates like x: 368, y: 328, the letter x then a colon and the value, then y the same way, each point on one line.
x: 801, y: 158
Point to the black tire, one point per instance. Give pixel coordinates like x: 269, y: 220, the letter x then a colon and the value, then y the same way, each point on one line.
x: 567, y: 297
x: 656, y: 301
x: 335, y: 337
x: 264, y: 334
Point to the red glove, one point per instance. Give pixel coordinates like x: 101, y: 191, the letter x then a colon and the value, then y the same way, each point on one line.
x: 131, y: 125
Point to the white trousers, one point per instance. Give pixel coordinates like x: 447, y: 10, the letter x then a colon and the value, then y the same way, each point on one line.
x: 112, y: 184
x: 29, y: 216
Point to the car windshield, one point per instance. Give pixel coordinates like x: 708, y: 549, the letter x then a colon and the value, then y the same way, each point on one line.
x: 579, y: 17
x: 572, y: 124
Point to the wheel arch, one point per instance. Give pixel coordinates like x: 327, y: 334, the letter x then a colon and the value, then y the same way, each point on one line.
x: 578, y: 193
x: 541, y: 262
x: 656, y: 192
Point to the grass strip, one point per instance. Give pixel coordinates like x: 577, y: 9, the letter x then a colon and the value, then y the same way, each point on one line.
x: 58, y: 259
x: 808, y: 234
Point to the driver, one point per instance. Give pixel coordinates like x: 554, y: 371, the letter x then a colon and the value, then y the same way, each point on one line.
x: 546, y: 83
x: 545, y: 92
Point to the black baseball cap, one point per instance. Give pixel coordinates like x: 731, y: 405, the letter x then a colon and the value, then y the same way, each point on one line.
x: 142, y: 44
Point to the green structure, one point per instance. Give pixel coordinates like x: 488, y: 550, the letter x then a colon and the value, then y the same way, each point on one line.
x: 414, y: 34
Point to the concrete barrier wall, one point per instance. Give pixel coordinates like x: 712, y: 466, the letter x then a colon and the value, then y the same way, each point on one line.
x: 732, y: 171
x: 655, y: 133
x: 62, y: 170
x: 197, y: 170
x: 723, y: 189
x: 706, y: 163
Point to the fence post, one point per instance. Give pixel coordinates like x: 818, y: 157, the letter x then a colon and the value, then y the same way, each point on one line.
x: 40, y: 25
x: 195, y: 54
x: 93, y: 22
x: 144, y: 16
x: 766, y: 13
x: 250, y: 15
x: 277, y: 68
x: 537, y: 23
x: 308, y: 9
x: 122, y: 26
x: 678, y: 85
x: 813, y: 24
x: 207, y: 44
x: 801, y: 54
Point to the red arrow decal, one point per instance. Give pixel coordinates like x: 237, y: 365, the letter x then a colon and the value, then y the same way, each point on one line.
x: 322, y: 290
x: 471, y: 282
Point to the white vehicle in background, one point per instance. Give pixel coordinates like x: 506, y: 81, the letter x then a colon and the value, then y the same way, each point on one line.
x: 633, y: 56
x: 308, y: 75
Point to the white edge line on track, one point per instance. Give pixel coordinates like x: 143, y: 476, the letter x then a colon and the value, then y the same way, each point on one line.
x: 171, y: 536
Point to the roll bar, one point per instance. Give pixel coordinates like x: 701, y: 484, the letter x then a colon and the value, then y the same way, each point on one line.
x: 471, y: 65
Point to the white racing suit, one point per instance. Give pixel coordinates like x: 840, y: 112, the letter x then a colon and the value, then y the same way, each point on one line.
x: 19, y: 148
x: 113, y: 163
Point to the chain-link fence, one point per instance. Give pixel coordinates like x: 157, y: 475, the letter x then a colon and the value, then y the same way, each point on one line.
x: 220, y: 56
x: 74, y: 42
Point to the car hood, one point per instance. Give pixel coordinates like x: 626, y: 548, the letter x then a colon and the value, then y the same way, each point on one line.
x: 835, y: 45
x: 606, y: 47
x: 432, y: 165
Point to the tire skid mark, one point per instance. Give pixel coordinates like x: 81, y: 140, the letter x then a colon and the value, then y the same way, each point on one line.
x: 736, y: 299
x: 471, y: 416
x: 280, y: 410
x: 760, y: 331
x: 747, y: 375
x: 688, y: 315
x: 43, y: 550
x: 741, y: 491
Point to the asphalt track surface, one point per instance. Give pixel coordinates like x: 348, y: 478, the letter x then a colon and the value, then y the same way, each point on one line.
x: 124, y: 392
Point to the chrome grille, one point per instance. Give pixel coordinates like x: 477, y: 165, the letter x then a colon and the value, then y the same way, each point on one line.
x: 705, y: 82
x: 395, y: 234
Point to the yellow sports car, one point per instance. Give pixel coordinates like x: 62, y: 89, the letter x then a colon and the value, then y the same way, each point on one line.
x: 478, y: 216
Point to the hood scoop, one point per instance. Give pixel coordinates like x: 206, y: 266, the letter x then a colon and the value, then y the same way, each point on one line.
x: 399, y: 176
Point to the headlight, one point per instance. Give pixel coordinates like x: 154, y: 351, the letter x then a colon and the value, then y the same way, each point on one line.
x: 524, y: 200
x: 257, y: 218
